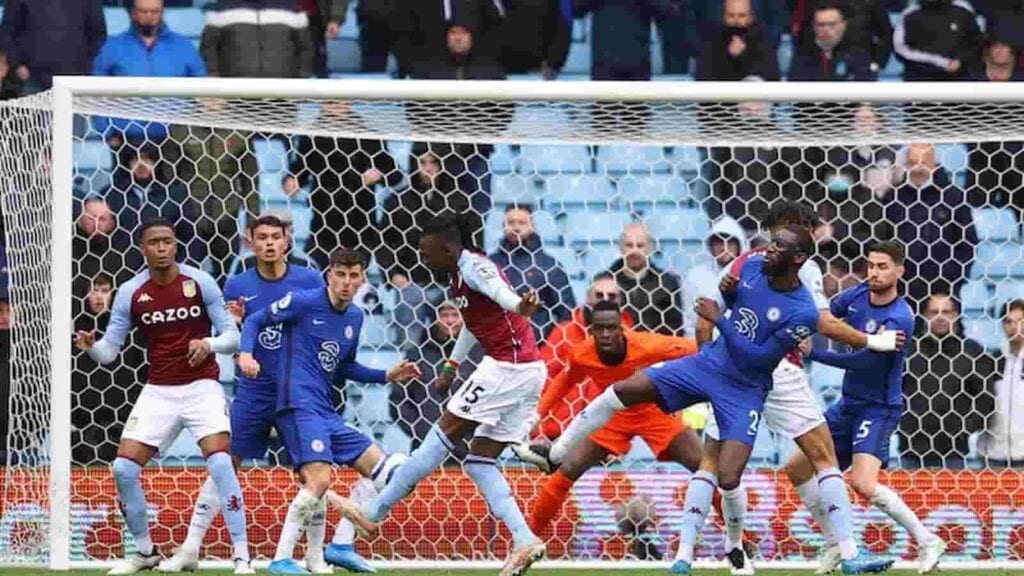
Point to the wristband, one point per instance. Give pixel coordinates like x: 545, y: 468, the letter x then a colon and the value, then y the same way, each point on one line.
x: 450, y: 366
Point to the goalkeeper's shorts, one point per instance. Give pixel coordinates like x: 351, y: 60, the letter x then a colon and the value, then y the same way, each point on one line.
x: 646, y: 421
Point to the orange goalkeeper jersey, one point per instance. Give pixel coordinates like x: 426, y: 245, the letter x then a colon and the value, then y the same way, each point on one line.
x: 585, y: 376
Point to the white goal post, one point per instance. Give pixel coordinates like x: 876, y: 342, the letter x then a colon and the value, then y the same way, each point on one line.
x: 653, y: 114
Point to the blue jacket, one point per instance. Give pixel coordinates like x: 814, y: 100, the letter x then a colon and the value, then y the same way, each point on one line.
x: 126, y: 55
x: 528, y: 266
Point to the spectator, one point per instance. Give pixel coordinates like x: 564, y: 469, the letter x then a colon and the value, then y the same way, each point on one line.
x: 1002, y: 441
x: 148, y: 48
x: 343, y: 173
x: 737, y: 48
x: 867, y: 24
x: 325, y: 20
x: 572, y: 331
x: 830, y: 57
x: 257, y: 39
x: 1000, y: 63
x: 416, y: 405
x: 725, y: 241
x: 47, y: 38
x: 448, y: 39
x: 653, y: 296
x: 528, y: 267
x: 946, y: 386
x: 536, y: 36
x: 140, y: 193
x: 938, y: 40
x: 468, y: 55
x: 100, y: 295
x: 100, y: 247
x: 375, y: 33
x: 431, y: 191
x: 620, y: 33
x: 933, y: 220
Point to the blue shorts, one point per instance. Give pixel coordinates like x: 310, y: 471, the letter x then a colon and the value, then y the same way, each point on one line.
x: 252, y: 418
x: 859, y: 428
x: 690, y: 380
x: 311, y: 437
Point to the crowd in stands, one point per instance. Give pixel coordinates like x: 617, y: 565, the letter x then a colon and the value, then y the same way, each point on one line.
x: 362, y: 193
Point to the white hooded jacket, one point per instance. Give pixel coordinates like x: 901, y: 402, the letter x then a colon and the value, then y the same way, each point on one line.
x: 702, y: 280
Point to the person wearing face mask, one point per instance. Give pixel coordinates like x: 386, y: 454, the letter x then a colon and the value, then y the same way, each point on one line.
x: 149, y: 48
x: 738, y: 48
x: 830, y: 58
x: 938, y: 40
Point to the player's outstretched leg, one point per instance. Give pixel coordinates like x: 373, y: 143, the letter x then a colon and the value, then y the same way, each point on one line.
x: 424, y: 460
x: 341, y: 551
x: 127, y: 474
x: 555, y: 490
x: 186, y: 558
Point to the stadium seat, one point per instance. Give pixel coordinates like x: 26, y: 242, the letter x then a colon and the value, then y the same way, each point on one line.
x: 92, y: 155
x: 976, y: 297
x: 271, y: 154
x: 994, y: 261
x: 986, y: 331
x: 647, y: 194
x: 567, y: 258
x: 185, y: 447
x: 1005, y: 291
x: 117, y: 19
x: 344, y: 55
x: 401, y: 151
x: 568, y: 193
x: 680, y: 258
x: 509, y: 189
x: 599, y: 258
x: 375, y: 332
x: 188, y: 22
x: 588, y: 228
x: 687, y: 159
x: 632, y: 160
x: 685, y: 224
x: 953, y: 157
x: 501, y: 159
x: 553, y: 159
x: 578, y: 60
x: 996, y: 224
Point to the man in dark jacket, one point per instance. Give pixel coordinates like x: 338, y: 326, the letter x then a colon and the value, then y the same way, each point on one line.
x: 101, y: 247
x: 528, y: 267
x: 46, y: 38
x: 536, y: 36
x: 325, y: 20
x: 830, y: 57
x: 867, y: 27
x: 653, y: 296
x: 932, y: 218
x: 257, y: 39
x: 938, y: 40
x: 620, y: 33
x: 948, y: 389
x: 448, y: 39
x: 738, y: 48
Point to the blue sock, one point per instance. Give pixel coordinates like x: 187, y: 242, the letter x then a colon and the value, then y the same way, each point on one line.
x: 232, y: 504
x: 133, y: 503
x: 836, y: 502
x: 489, y: 480
x: 421, y: 462
x: 695, y: 509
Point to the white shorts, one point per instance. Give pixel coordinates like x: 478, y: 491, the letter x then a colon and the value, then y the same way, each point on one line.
x: 791, y: 410
x: 161, y: 412
x: 502, y: 397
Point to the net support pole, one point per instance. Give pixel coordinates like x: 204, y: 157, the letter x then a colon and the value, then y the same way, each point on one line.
x: 61, y: 329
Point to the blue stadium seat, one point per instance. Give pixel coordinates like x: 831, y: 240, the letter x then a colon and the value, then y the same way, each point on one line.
x: 680, y: 258
x: 995, y: 261
x: 687, y: 159
x: 670, y: 228
x: 589, y: 228
x: 565, y: 193
x: 350, y: 27
x: 892, y: 70
x: 502, y: 158
x: 344, y: 55
x: 91, y: 155
x: 375, y: 332
x: 632, y: 160
x: 578, y: 60
x: 953, y: 157
x: 567, y: 258
x: 599, y: 258
x: 986, y: 331
x: 976, y: 297
x: 271, y: 154
x: 1005, y: 291
x: 188, y: 22
x: 550, y: 159
x: 509, y: 189
x: 996, y: 224
x: 646, y: 194
x: 118, y: 20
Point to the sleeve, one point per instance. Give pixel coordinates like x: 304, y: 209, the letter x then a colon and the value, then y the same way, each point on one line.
x: 232, y: 288
x: 881, y: 45
x: 209, y: 45
x: 106, y: 350
x: 103, y: 63
x: 839, y: 307
x: 767, y: 354
x: 556, y: 389
x: 481, y: 275
x: 901, y: 44
x: 811, y: 277
x: 859, y: 360
x: 351, y: 369
x: 226, y: 340
x: 463, y: 344
x: 284, y: 311
x: 559, y: 36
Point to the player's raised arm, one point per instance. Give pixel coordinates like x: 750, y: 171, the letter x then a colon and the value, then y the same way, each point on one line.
x: 481, y: 275
x: 463, y: 345
x: 284, y: 311
x: 747, y: 354
x: 831, y: 325
x: 226, y: 340
x: 107, y: 349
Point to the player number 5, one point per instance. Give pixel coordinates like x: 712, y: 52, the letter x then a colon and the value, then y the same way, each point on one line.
x: 864, y: 430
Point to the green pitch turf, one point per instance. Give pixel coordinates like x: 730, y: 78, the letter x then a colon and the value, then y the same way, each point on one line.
x: 536, y: 572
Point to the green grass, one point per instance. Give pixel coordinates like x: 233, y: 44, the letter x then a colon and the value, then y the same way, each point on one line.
x: 536, y: 572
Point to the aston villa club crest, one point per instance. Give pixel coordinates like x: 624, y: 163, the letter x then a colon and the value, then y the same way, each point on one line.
x: 188, y: 289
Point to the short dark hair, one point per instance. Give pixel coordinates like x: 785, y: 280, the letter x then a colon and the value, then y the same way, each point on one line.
x: 792, y: 212
x: 346, y: 257
x: 1015, y: 304
x: 102, y: 280
x: 606, y: 275
x: 831, y: 5
x: 455, y: 227
x: 268, y: 220
x: 606, y: 306
x: 891, y: 248
x: 156, y: 223
x: 525, y: 207
x: 805, y: 243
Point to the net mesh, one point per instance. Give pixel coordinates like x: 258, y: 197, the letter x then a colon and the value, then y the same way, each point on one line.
x: 357, y: 173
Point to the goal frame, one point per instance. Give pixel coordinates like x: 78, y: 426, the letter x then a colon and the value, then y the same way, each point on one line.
x: 67, y: 88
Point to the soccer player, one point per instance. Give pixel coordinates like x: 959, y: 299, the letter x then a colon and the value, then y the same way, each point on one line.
x: 254, y: 405
x: 175, y: 306
x: 610, y: 354
x: 865, y: 417
x: 792, y: 411
x: 496, y: 405
x: 319, y: 331
x: 771, y: 313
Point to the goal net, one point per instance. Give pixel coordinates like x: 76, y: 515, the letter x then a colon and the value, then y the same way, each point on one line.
x: 651, y: 182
